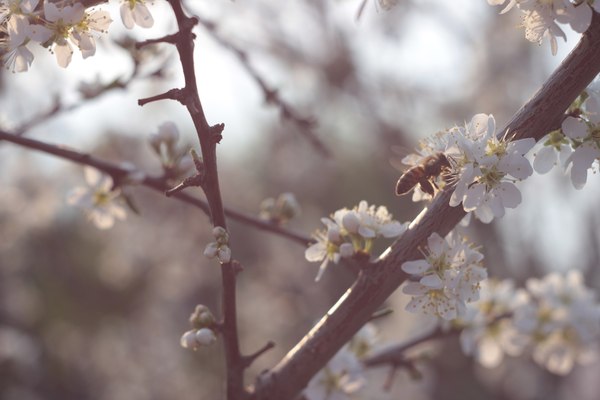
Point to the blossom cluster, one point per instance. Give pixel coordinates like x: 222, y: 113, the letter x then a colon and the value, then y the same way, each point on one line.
x: 488, y: 167
x: 220, y: 247
x: 202, y: 333
x: 344, y: 374
x: 447, y: 278
x: 577, y: 143
x: 555, y: 319
x: 59, y: 28
x: 351, y: 231
x: 484, y: 167
x: 541, y: 17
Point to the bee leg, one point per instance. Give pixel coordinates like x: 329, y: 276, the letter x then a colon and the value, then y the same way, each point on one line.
x: 426, y: 187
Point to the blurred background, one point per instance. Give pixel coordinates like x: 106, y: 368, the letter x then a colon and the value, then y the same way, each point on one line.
x: 92, y: 314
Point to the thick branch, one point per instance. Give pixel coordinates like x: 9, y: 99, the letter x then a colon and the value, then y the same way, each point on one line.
x: 374, y: 285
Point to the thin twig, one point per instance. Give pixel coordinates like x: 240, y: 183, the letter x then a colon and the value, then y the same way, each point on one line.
x: 396, y: 354
x: 153, y: 182
x: 306, y: 125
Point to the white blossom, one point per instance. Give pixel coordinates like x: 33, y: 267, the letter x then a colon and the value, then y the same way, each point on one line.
x: 561, y: 321
x: 339, y: 379
x: 446, y: 279
x: 540, y: 17
x: 488, y: 167
x: 18, y: 57
x: 72, y: 25
x: 351, y: 231
x: 488, y: 331
x: 135, y: 12
x: 10, y: 8
x: 582, y: 132
x: 99, y: 200
x: 556, y: 150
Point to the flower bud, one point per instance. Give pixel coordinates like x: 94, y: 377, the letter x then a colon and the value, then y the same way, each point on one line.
x: 218, y: 231
x: 205, y: 337
x: 211, y: 250
x: 202, y: 317
x: 224, y: 254
x: 188, y: 340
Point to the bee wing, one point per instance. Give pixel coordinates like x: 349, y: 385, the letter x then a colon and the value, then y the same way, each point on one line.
x: 402, y: 159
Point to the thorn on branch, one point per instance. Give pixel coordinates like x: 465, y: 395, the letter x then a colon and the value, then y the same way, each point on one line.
x: 172, y: 39
x: 195, y: 180
x: 173, y: 94
x: 384, y: 312
x: 216, y: 132
x: 237, y: 266
x: 249, y: 359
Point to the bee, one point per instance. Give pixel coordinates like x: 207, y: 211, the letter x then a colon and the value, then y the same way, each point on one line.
x: 424, y: 174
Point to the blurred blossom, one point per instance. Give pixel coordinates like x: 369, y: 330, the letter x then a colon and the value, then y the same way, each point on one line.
x: 99, y: 199
x: 357, y: 228
x: 446, y: 279
x: 344, y: 373
x: 488, y: 331
x: 364, y: 341
x: 388, y: 4
x: 17, y: 348
x: 280, y: 210
x: 175, y: 160
x: 560, y: 322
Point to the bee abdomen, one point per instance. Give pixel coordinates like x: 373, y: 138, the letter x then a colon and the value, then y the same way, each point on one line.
x: 409, y: 180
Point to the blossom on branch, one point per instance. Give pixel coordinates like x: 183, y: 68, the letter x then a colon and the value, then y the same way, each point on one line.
x: 219, y: 248
x: 135, y: 12
x: 446, y: 279
x: 59, y: 27
x: 99, y: 199
x: 488, y: 330
x: 344, y: 373
x: 577, y: 144
x: 351, y: 232
x: 540, y: 17
x: 488, y: 168
x: 560, y: 322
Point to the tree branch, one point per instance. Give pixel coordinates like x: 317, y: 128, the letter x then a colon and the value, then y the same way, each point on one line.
x: 374, y: 285
x: 306, y: 125
x: 153, y: 182
x: 209, y: 137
